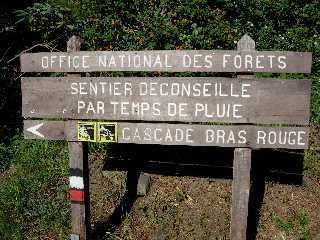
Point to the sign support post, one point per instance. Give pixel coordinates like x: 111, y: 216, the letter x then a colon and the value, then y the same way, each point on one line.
x: 241, y: 171
x: 78, y: 187
x: 240, y: 193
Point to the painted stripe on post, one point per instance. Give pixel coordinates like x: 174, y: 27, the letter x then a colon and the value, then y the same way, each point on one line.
x: 76, y: 195
x: 74, y: 237
x: 76, y: 172
x: 76, y: 182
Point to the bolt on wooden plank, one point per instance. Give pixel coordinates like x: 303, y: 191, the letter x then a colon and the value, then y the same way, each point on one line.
x: 168, y: 99
x: 168, y: 61
x: 173, y: 134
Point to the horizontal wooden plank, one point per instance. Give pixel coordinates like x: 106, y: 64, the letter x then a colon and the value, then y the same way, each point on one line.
x: 168, y: 99
x: 173, y: 134
x: 168, y: 61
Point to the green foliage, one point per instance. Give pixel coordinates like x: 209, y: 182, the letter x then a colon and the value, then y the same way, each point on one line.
x: 5, y: 155
x: 298, y: 223
x: 181, y: 195
x: 33, y: 191
x: 315, y: 99
x: 304, y: 226
x: 312, y: 162
x: 122, y: 25
x: 285, y: 225
x: 98, y: 147
x: 44, y: 18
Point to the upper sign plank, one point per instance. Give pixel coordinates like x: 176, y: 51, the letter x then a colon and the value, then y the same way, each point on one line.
x: 168, y: 61
x: 198, y: 99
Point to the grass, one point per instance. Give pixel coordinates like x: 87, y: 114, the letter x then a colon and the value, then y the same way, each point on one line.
x: 33, y: 190
x: 284, y: 225
x: 294, y: 225
x: 180, y: 195
x: 315, y: 100
x: 312, y: 163
x: 304, y: 226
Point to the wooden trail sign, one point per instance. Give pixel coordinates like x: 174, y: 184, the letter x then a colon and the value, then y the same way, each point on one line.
x: 168, y: 61
x: 168, y: 99
x: 171, y: 134
x: 75, y: 100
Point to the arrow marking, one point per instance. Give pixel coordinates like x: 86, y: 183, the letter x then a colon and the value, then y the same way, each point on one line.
x: 34, y: 130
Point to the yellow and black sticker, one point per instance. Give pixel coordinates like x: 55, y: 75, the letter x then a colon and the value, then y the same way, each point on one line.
x: 108, y: 132
x: 87, y: 131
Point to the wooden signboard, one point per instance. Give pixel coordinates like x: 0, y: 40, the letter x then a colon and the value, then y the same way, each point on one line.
x: 168, y: 61
x: 169, y: 134
x: 168, y: 99
x: 102, y: 109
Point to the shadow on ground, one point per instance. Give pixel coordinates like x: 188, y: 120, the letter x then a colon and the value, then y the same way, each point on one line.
x: 267, y: 165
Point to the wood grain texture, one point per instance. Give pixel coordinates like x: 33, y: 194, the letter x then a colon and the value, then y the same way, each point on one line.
x: 76, y: 161
x: 241, y: 171
x: 78, y: 216
x: 199, y: 135
x: 240, y: 193
x: 270, y: 101
x: 168, y: 61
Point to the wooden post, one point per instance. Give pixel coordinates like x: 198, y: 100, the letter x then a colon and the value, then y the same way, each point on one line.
x: 240, y: 193
x: 143, y: 184
x: 78, y: 164
x: 241, y: 172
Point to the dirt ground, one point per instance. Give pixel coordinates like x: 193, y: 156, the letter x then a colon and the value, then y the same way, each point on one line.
x: 186, y: 207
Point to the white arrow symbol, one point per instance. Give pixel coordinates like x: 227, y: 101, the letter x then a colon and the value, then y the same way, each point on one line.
x: 34, y: 130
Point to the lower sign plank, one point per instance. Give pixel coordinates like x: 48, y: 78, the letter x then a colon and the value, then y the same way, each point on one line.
x: 168, y: 99
x: 175, y: 134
